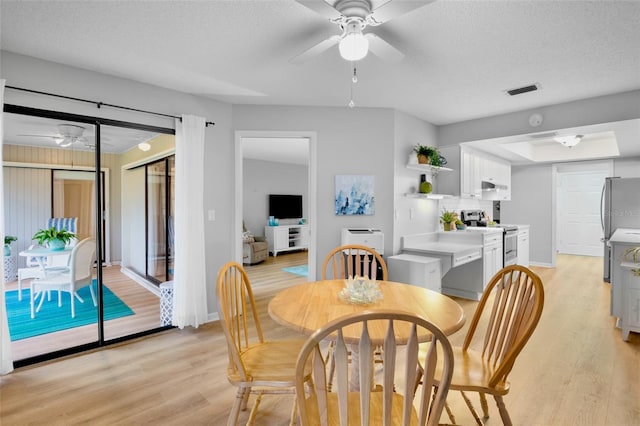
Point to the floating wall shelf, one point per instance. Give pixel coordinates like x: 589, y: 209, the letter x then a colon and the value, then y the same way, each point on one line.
x: 427, y: 168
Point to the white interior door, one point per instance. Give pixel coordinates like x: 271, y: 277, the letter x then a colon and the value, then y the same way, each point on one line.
x: 578, y: 202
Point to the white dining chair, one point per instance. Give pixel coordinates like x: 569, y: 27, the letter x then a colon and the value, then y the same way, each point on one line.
x: 36, y: 267
x: 80, y: 275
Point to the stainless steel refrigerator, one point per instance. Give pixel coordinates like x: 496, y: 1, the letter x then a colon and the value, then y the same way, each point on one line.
x: 619, y: 208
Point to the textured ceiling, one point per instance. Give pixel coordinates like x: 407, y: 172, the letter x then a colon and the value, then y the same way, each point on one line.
x: 460, y: 56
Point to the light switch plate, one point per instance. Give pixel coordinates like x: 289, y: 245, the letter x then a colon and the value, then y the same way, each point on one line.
x: 212, y: 215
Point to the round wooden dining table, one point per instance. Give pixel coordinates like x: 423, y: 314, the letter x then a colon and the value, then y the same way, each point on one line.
x: 306, y: 307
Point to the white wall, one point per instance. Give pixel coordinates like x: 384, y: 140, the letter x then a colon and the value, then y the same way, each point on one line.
x: 627, y: 167
x: 531, y: 187
x: 532, y: 203
x: 411, y: 216
x: 604, y: 109
x: 261, y: 178
x: 356, y: 141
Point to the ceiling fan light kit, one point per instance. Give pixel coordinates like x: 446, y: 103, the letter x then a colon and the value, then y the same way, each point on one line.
x: 354, y: 45
x: 569, y: 141
x: 353, y: 16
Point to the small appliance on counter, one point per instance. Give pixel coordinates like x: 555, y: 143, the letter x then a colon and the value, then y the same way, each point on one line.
x: 473, y: 218
x: 373, y: 238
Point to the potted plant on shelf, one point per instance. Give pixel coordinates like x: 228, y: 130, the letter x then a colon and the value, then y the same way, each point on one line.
x: 8, y: 239
x: 53, y: 238
x: 448, y: 219
x: 428, y: 155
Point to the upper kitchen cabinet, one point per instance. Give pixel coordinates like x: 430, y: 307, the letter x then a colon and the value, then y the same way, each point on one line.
x: 481, y: 176
x: 495, y: 179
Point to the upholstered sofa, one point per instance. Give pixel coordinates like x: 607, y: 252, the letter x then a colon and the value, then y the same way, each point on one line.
x: 255, y: 249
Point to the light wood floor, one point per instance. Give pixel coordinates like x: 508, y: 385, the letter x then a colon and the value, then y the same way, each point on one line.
x: 145, y: 305
x: 576, y: 370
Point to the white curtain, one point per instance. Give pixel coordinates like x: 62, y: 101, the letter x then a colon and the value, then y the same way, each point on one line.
x: 6, y: 362
x: 189, y: 279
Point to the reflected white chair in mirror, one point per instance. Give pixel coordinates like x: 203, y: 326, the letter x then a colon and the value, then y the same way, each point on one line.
x: 33, y: 270
x: 35, y: 267
x: 80, y: 275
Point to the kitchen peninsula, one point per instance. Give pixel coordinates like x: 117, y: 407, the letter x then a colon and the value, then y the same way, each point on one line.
x: 468, y: 259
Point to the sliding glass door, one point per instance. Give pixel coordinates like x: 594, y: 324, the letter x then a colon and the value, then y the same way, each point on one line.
x: 159, y: 219
x: 68, y: 170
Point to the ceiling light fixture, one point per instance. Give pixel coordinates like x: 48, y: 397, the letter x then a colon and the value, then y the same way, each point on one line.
x: 354, y: 45
x: 144, y: 146
x: 569, y: 141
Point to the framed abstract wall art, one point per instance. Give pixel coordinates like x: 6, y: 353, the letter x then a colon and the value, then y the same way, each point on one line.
x: 354, y: 195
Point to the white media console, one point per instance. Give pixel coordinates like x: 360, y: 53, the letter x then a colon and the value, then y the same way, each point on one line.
x: 287, y: 238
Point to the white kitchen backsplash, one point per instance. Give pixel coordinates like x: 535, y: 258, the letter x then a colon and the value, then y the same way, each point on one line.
x: 457, y: 204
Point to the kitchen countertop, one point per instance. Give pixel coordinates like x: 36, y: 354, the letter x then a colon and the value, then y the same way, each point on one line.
x: 442, y: 246
x: 452, y: 247
x: 516, y: 225
x: 481, y: 229
x: 626, y: 236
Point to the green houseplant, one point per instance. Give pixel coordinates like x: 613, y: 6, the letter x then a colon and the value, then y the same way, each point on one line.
x: 427, y: 155
x: 54, y: 239
x: 448, y: 219
x: 8, y: 239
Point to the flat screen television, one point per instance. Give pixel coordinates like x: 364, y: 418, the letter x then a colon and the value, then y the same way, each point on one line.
x: 285, y: 206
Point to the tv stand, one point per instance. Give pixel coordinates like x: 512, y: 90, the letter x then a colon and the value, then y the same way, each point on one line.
x: 287, y: 238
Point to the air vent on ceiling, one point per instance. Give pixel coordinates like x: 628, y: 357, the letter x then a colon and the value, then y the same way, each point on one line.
x: 547, y: 135
x: 523, y: 89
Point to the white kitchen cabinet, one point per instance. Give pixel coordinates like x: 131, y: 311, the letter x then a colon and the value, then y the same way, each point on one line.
x: 421, y: 271
x: 287, y: 238
x: 630, y: 320
x: 523, y: 246
x: 492, y: 256
x: 497, y: 173
x: 474, y: 168
x: 470, y: 174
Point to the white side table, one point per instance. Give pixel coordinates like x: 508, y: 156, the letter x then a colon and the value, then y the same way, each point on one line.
x: 10, y: 268
x: 166, y: 303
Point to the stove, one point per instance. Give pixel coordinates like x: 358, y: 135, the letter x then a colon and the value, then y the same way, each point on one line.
x: 509, y: 244
x: 473, y: 218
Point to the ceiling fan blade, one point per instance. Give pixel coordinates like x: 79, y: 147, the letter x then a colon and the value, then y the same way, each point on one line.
x: 41, y: 136
x: 382, y: 49
x: 392, y: 9
x: 316, y: 50
x: 322, y: 8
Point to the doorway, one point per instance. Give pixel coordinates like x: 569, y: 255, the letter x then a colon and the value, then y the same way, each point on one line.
x: 578, y: 192
x: 274, y: 143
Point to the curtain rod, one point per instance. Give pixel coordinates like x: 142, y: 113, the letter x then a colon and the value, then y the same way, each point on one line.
x: 101, y: 104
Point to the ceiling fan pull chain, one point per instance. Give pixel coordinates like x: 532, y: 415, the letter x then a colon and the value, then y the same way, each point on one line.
x: 354, y: 79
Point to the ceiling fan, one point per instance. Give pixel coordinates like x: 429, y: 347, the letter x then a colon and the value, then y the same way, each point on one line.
x: 353, y: 16
x: 68, y: 134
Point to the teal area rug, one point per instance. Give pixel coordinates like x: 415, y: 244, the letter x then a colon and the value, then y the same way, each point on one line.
x: 298, y: 270
x: 52, y: 318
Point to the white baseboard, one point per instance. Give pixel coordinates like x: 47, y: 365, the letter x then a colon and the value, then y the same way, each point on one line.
x: 542, y: 265
x: 144, y: 283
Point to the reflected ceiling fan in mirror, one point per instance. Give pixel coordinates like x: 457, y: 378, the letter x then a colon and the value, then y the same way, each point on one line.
x: 353, y: 16
x: 68, y: 134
